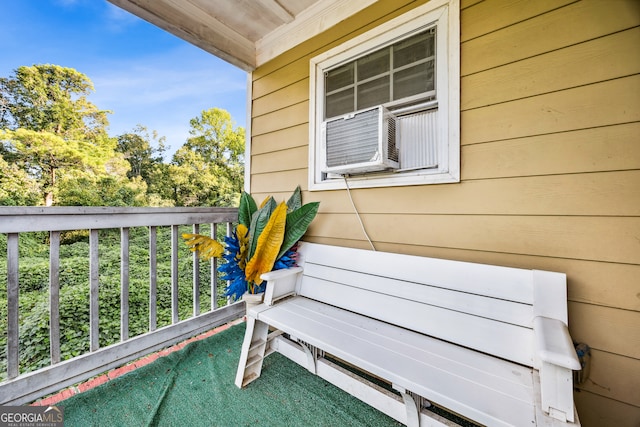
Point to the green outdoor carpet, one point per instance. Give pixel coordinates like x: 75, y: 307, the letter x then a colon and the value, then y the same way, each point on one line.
x: 194, y: 387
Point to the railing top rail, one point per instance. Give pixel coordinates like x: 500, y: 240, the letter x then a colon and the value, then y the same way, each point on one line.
x: 61, y: 218
x: 76, y: 210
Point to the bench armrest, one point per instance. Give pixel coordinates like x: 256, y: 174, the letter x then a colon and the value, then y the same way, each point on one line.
x: 280, y: 283
x: 554, y: 344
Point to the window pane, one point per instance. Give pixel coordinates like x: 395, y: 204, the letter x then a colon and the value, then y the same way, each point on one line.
x: 372, y: 93
x: 365, y: 82
x: 413, y: 80
x: 413, y: 49
x: 373, y: 64
x: 339, y: 78
x: 339, y: 103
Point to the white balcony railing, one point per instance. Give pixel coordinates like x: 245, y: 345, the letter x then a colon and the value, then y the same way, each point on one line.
x: 19, y: 387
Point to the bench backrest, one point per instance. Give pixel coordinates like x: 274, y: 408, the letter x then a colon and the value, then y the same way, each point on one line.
x: 485, y: 307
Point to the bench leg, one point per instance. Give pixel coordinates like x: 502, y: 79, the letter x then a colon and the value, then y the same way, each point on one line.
x: 413, y: 412
x: 311, y: 357
x: 253, y: 352
x: 557, y: 392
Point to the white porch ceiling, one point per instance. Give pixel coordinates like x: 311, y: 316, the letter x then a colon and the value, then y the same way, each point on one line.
x: 246, y: 33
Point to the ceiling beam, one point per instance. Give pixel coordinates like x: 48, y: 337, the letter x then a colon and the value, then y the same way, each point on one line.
x: 200, y: 27
x: 197, y: 27
x: 277, y: 9
x: 317, y: 18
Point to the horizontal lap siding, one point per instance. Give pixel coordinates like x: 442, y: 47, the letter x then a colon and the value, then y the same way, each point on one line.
x: 576, y: 23
x: 582, y: 107
x: 550, y: 167
x: 611, y: 194
x: 583, y: 238
x: 603, y: 149
x: 550, y: 72
x: 282, y: 139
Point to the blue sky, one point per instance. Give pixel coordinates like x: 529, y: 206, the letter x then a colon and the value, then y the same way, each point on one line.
x: 140, y: 72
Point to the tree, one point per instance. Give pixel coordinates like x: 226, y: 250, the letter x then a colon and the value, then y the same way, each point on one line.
x: 46, y: 158
x: 138, y: 149
x: 145, y: 153
x: 54, y: 141
x: 16, y: 187
x: 92, y: 190
x: 208, y: 170
x: 49, y: 129
x: 50, y: 98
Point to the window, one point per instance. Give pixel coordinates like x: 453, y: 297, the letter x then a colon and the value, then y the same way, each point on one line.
x: 402, y: 72
x: 406, y: 71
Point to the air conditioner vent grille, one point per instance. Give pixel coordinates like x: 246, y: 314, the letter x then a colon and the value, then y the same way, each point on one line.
x: 361, y: 142
x: 353, y: 139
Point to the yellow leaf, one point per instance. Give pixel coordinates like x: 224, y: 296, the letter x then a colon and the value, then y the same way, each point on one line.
x: 206, y: 246
x: 242, y: 234
x: 268, y: 245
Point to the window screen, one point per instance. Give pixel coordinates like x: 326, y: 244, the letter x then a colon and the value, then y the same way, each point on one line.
x: 402, y: 70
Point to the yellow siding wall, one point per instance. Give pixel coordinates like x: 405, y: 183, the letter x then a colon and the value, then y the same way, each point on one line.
x: 550, y: 165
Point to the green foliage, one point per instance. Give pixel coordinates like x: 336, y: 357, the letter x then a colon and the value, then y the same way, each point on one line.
x: 298, y: 219
x: 74, y: 291
x: 208, y: 169
x: 264, y: 246
x: 298, y: 222
x: 144, y: 153
x: 48, y: 129
x: 103, y: 191
x: 16, y: 187
x: 55, y: 150
x: 246, y: 209
x: 295, y: 200
x: 50, y: 98
x: 138, y: 149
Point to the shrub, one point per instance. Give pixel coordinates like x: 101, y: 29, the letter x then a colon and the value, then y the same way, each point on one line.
x: 74, y: 291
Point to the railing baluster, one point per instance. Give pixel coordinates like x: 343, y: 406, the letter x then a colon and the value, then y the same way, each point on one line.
x: 93, y: 290
x: 54, y: 296
x: 124, y: 283
x: 214, y: 271
x: 174, y: 274
x: 196, y: 276
x: 18, y: 389
x: 153, y: 277
x: 12, y: 305
x: 229, y: 230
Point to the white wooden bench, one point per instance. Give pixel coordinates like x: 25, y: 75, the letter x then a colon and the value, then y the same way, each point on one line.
x: 488, y: 343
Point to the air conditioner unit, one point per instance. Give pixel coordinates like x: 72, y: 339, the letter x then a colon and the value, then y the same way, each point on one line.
x: 360, y: 142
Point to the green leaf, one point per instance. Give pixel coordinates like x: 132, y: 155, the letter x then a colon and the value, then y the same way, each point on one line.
x: 246, y: 209
x: 297, y: 224
x: 295, y: 201
x: 259, y: 221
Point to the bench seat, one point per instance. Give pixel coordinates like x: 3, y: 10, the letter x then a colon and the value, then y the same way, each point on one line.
x: 488, y: 343
x: 486, y: 389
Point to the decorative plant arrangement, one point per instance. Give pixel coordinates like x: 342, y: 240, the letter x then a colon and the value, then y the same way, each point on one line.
x: 264, y: 240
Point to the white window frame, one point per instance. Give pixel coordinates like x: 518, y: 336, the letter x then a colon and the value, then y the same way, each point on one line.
x: 445, y: 14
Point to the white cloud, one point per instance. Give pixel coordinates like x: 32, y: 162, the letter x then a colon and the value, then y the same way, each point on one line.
x: 163, y: 92
x: 182, y: 72
x: 118, y: 19
x: 146, y: 85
